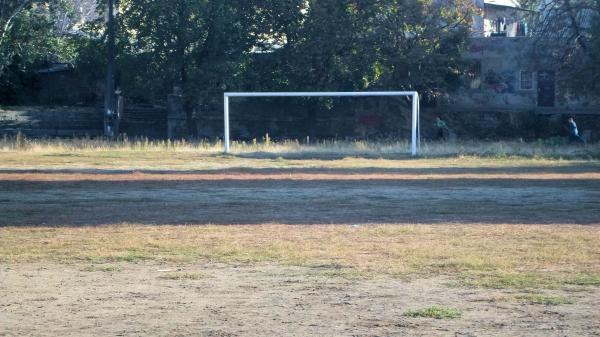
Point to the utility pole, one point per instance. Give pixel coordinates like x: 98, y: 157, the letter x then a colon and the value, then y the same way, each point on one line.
x: 109, y: 96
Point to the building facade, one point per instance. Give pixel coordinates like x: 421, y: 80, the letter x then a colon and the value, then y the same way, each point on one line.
x: 503, y: 72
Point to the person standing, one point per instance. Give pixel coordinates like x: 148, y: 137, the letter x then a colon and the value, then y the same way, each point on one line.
x: 574, y: 132
x: 441, y: 127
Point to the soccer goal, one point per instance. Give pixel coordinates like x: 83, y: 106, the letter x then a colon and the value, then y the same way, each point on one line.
x: 415, y: 139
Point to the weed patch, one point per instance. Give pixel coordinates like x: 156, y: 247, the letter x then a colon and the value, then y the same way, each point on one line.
x: 510, y: 280
x: 544, y: 299
x: 182, y: 276
x: 105, y: 269
x: 585, y: 280
x: 435, y: 312
x: 135, y: 255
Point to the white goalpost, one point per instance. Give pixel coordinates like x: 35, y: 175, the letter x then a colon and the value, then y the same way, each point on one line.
x: 415, y: 139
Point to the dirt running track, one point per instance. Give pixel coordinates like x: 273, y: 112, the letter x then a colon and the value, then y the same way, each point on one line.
x: 542, y: 195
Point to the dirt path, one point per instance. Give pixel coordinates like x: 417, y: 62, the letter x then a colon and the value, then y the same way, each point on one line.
x: 291, y: 175
x: 224, y: 300
x: 545, y: 195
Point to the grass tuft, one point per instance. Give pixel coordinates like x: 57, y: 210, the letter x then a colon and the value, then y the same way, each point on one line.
x: 510, y: 280
x: 182, y: 276
x: 135, y: 255
x: 585, y: 280
x: 435, y: 312
x: 545, y: 299
x: 105, y: 269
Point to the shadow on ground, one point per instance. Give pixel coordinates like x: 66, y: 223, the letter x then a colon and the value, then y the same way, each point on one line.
x: 76, y: 198
x: 562, y: 169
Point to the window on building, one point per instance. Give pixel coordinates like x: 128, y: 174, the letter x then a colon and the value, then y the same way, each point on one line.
x: 522, y: 29
x: 500, y: 25
x: 526, y: 80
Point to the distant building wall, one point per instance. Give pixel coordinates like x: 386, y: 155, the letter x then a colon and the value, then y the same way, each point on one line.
x: 499, y: 18
x: 504, y: 76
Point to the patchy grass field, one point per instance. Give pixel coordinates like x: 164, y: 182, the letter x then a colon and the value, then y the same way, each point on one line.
x: 114, y: 240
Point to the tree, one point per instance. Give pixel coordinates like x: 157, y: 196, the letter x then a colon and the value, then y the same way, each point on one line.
x: 207, y: 46
x: 566, y: 36
x: 29, y: 38
x: 9, y: 10
x: 173, y: 41
x: 352, y: 45
x: 390, y: 44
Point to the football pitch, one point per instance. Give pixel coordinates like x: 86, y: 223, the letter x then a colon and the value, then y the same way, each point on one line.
x: 184, y: 242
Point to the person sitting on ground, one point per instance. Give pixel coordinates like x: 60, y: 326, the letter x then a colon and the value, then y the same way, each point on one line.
x: 574, y: 132
x: 441, y: 127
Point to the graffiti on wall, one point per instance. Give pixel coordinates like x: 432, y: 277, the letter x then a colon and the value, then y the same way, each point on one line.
x: 500, y: 82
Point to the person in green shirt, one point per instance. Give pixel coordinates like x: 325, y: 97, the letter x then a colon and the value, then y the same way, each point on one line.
x: 441, y: 128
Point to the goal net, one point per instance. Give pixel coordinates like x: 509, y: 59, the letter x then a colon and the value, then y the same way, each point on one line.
x: 415, y: 137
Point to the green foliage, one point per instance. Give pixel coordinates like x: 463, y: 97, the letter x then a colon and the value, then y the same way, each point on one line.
x: 391, y: 44
x: 200, y: 45
x: 30, y: 37
x: 208, y: 46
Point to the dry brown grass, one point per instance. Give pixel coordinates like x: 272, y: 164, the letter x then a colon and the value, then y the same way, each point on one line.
x: 485, y: 255
x: 111, y: 159
x: 65, y: 150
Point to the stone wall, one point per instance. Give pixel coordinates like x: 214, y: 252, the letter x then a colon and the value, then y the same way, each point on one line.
x: 79, y: 121
x: 51, y: 121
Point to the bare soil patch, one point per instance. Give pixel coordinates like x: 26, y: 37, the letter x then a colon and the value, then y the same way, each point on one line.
x: 267, y: 300
x: 88, y: 250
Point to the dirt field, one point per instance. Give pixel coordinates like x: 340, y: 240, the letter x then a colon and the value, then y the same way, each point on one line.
x: 267, y: 300
x: 513, y: 248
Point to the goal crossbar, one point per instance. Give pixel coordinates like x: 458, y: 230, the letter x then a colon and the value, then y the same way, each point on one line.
x: 413, y: 94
